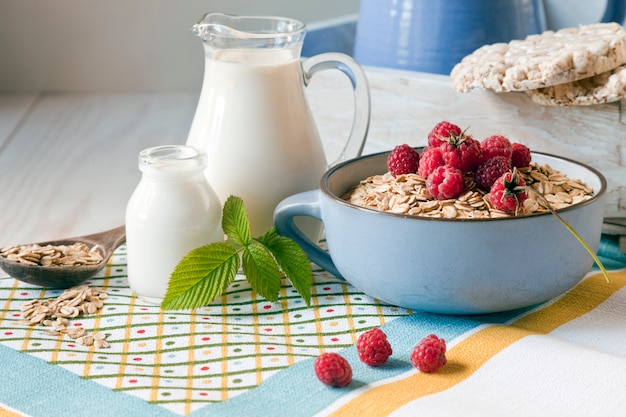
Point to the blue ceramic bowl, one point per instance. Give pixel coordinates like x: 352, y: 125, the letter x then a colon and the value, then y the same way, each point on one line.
x: 453, y: 266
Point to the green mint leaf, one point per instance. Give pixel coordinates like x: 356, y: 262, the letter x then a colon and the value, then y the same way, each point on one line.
x: 201, y: 276
x: 206, y: 272
x: 261, y: 271
x: 235, y: 221
x: 292, y: 260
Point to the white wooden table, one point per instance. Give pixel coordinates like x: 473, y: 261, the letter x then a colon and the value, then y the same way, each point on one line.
x: 68, y: 162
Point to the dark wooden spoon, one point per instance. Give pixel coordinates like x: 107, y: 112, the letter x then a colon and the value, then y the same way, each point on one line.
x: 67, y: 276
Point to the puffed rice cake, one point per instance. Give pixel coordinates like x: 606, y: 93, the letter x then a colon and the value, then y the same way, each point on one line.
x: 607, y: 87
x: 543, y: 60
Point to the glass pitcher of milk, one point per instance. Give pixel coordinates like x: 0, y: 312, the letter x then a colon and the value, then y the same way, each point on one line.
x: 252, y: 117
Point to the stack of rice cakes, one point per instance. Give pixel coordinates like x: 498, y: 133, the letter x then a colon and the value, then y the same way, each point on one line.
x: 578, y: 66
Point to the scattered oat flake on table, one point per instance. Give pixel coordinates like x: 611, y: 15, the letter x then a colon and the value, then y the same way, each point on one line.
x: 56, y: 314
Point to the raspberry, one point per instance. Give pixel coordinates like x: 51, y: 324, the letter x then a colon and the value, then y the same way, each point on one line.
x: 496, y: 145
x: 508, y: 192
x: 430, y: 354
x: 441, y: 131
x: 333, y: 370
x: 430, y: 159
x: 490, y: 170
x: 462, y: 152
x: 445, y: 182
x: 373, y: 347
x: 520, y: 157
x: 403, y: 160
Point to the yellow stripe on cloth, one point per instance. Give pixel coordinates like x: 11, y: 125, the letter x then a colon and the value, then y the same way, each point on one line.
x: 8, y: 413
x: 470, y: 354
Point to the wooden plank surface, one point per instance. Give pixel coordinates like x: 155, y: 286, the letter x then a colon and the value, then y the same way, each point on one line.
x: 71, y: 168
x: 13, y: 110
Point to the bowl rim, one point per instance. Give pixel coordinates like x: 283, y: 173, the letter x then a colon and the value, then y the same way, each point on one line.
x: 324, y: 188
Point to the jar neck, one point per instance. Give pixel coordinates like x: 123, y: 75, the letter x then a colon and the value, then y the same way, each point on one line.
x: 172, y: 161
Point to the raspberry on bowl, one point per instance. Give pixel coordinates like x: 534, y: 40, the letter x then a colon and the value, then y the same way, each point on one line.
x: 520, y: 156
x: 403, y: 160
x: 446, y: 182
x: 462, y: 152
x: 441, y: 132
x: 496, y: 145
x: 490, y: 170
x: 430, y: 159
x: 508, y: 192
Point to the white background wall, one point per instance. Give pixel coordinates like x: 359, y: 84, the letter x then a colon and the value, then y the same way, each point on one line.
x: 121, y: 45
x: 146, y: 45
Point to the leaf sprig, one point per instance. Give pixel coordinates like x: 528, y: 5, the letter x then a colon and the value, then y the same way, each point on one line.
x: 206, y: 272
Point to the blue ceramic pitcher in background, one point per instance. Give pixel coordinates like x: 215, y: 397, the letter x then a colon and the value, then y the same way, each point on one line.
x: 434, y: 35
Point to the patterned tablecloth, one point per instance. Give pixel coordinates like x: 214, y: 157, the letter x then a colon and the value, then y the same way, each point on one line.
x: 243, y: 355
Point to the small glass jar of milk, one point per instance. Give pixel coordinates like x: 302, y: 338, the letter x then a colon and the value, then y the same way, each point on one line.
x: 172, y: 211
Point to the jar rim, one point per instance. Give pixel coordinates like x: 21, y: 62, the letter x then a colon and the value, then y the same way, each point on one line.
x: 180, y: 157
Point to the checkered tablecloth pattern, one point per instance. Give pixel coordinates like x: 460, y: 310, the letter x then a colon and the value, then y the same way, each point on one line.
x: 183, y: 360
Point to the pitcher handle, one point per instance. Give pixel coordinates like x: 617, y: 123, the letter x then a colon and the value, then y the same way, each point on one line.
x: 362, y: 108
x: 615, y: 11
x: 303, y: 204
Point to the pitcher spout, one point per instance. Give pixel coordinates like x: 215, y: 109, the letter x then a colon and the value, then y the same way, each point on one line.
x: 249, y: 32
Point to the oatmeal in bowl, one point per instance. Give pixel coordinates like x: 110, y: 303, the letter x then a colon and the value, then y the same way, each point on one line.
x: 408, y: 194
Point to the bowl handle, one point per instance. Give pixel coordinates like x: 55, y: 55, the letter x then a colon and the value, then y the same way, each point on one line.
x: 303, y: 204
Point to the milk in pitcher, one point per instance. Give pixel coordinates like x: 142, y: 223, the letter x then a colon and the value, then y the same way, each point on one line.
x: 257, y: 131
